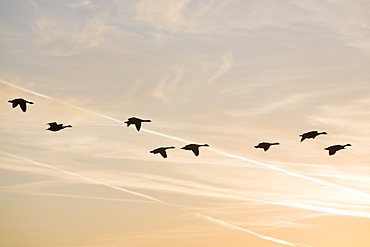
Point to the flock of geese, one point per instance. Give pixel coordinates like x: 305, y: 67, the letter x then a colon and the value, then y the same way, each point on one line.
x: 54, y: 126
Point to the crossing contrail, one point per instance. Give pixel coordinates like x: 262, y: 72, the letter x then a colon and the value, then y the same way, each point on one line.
x: 234, y: 227
x: 219, y: 222
x: 87, y: 178
x: 210, y: 219
x: 349, y: 190
x: 318, y: 181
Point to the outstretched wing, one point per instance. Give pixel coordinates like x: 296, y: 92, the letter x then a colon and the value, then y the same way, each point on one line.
x: 303, y: 137
x: 53, y: 124
x: 23, y: 106
x: 163, y: 153
x: 266, y: 147
x: 138, y: 125
x: 195, y: 151
x: 14, y: 105
x: 332, y: 151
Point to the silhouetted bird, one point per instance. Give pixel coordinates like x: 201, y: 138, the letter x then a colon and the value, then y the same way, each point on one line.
x: 266, y: 145
x: 136, y: 121
x: 194, y: 148
x: 311, y: 134
x: 333, y: 149
x: 56, y: 127
x: 162, y: 151
x: 21, y: 102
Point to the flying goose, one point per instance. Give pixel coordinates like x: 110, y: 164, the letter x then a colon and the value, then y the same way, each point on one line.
x: 56, y: 127
x: 266, y: 145
x: 311, y: 135
x: 136, y: 121
x: 334, y: 148
x: 21, y: 102
x: 162, y: 151
x: 194, y: 148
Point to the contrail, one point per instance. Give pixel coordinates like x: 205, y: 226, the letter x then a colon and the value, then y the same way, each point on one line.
x: 50, y: 98
x: 149, y: 198
x: 26, y: 90
x: 342, y: 188
x: 210, y: 219
x: 349, y: 190
x: 87, y: 178
x: 327, y: 210
x: 234, y: 227
x: 219, y: 222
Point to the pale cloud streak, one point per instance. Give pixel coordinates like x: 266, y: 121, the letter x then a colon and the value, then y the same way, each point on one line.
x: 69, y: 37
x: 166, y: 89
x: 349, y: 20
x: 227, y: 63
x: 165, y: 14
x: 176, y: 16
x: 82, y: 4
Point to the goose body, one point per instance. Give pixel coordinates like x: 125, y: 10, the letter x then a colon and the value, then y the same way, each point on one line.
x: 54, y: 126
x: 334, y: 148
x: 21, y: 102
x: 136, y: 121
x: 194, y: 148
x: 266, y: 145
x: 162, y: 151
x: 311, y: 135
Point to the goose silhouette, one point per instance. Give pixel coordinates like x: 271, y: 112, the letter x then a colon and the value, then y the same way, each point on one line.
x: 194, y: 148
x: 266, y: 145
x: 21, y: 102
x: 162, y: 151
x: 334, y: 148
x: 311, y: 135
x: 136, y: 121
x: 54, y: 126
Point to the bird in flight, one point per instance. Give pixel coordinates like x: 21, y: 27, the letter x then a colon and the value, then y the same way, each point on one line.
x: 311, y: 135
x: 54, y: 126
x: 21, y: 102
x: 266, y: 145
x: 136, y: 121
x: 194, y: 148
x: 162, y: 151
x: 333, y: 149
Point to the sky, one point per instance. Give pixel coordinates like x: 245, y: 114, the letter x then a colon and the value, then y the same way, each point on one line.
x: 229, y: 73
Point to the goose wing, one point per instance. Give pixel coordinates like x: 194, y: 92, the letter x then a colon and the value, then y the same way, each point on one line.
x: 14, y: 104
x: 138, y: 125
x: 163, y: 153
x: 332, y: 151
x: 266, y: 147
x: 195, y: 150
x: 23, y: 106
x: 53, y: 124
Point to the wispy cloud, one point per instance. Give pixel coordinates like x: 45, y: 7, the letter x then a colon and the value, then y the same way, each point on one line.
x: 227, y: 62
x: 347, y: 19
x: 167, y: 86
x: 164, y: 14
x: 174, y: 16
x: 69, y: 37
x: 82, y: 4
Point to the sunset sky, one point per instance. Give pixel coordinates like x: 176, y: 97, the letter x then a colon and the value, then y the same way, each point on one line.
x: 229, y: 73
